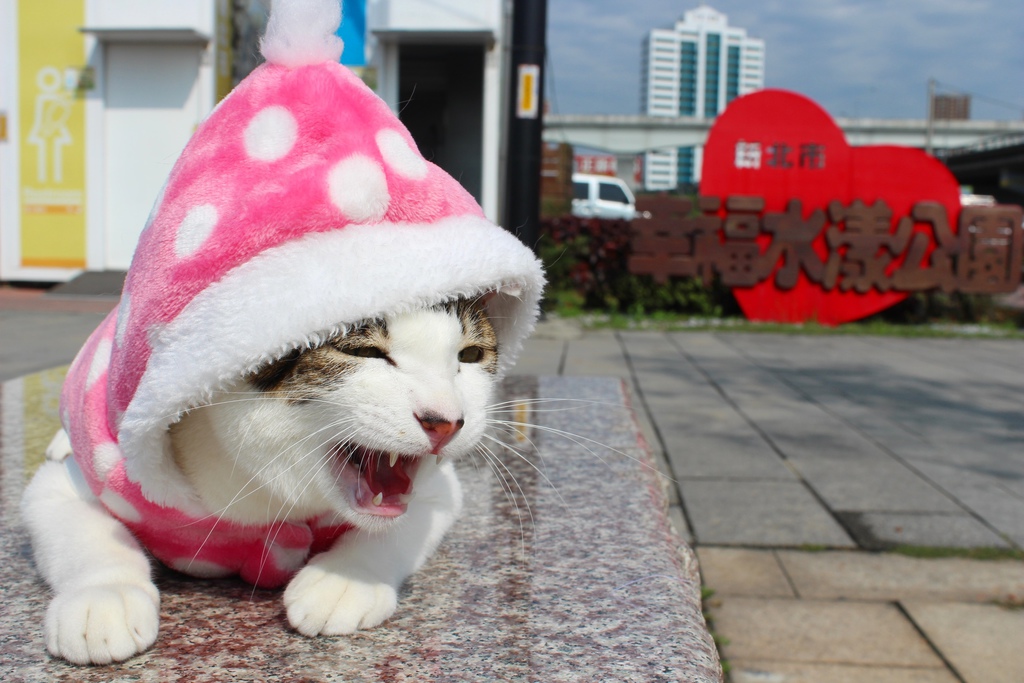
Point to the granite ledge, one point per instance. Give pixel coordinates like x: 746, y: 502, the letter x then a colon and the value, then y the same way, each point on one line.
x: 572, y: 573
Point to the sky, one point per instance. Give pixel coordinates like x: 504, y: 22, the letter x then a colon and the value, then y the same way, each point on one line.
x: 856, y: 58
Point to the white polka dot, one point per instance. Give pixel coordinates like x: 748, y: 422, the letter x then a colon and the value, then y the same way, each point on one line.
x: 120, y: 507
x: 105, y: 458
x: 399, y: 156
x: 199, y: 222
x: 199, y: 568
x: 358, y: 187
x: 288, y: 558
x: 99, y: 364
x: 123, y: 311
x: 271, y: 134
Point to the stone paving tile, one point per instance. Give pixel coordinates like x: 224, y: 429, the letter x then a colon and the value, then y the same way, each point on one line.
x: 879, y: 530
x: 742, y: 572
x: 758, y: 513
x: 724, y: 446
x: 839, y: 575
x: 998, y: 507
x: 986, y: 490
x: 785, y: 672
x: 596, y: 354
x: 821, y: 632
x: 868, y: 483
x: 31, y: 341
x: 982, y: 642
x: 539, y: 357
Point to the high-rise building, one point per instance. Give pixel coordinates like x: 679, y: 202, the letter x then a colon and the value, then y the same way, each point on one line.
x: 694, y: 69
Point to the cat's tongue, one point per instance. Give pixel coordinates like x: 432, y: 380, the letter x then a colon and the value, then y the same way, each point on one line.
x: 385, y: 483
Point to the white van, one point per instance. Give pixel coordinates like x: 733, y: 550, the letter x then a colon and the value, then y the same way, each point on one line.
x: 601, y: 196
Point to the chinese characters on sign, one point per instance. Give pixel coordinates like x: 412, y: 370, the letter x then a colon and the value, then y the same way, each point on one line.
x: 597, y: 164
x: 859, y: 251
x: 808, y: 155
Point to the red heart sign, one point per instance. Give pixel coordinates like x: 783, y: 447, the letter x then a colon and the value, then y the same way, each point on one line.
x: 781, y: 146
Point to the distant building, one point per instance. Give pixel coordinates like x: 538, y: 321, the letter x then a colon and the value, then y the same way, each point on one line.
x: 694, y: 69
x: 951, y: 107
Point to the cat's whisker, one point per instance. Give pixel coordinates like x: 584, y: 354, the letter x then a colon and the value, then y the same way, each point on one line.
x: 500, y: 468
x: 581, y: 441
x: 238, y: 496
x: 532, y: 465
x: 585, y: 403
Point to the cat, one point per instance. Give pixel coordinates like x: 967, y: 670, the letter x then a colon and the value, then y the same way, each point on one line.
x: 359, y: 432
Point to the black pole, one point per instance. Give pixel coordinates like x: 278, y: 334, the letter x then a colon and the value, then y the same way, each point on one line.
x: 526, y: 119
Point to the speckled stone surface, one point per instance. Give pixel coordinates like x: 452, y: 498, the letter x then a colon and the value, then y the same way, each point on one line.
x: 563, y: 567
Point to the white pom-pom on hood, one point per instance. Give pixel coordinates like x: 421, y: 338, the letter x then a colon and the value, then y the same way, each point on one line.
x: 302, y: 32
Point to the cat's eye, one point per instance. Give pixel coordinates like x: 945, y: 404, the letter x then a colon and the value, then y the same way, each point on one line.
x: 471, y: 354
x: 366, y: 352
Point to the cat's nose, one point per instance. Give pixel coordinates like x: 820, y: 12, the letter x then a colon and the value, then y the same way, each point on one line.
x: 439, y: 429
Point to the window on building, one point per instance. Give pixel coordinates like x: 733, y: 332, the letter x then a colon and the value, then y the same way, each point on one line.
x: 711, y: 61
x: 687, y: 79
x: 684, y: 166
x: 732, y: 77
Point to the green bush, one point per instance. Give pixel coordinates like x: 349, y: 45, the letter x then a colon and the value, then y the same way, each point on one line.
x: 586, y: 262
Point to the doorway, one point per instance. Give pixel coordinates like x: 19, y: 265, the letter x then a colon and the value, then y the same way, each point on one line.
x: 440, y: 101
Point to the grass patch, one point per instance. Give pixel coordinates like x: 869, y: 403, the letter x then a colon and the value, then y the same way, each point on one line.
x: 720, y: 641
x: 674, y: 322
x: 969, y: 553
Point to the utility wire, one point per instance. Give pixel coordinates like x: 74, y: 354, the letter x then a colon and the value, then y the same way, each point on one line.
x: 949, y: 87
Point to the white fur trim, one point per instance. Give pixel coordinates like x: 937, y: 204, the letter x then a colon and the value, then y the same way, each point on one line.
x: 342, y: 276
x: 301, y: 32
x: 271, y: 134
x: 358, y: 187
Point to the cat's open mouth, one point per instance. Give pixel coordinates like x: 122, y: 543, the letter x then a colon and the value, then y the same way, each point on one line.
x: 378, y: 482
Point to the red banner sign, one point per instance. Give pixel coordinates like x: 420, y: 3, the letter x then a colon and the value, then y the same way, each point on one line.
x: 805, y: 227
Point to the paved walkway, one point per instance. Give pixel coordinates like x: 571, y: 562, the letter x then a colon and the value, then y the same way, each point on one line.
x: 794, y: 460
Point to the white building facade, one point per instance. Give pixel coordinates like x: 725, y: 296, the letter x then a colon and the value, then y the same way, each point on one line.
x: 98, y: 98
x: 694, y: 69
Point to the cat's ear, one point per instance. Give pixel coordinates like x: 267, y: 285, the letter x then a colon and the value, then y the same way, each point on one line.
x: 513, y: 290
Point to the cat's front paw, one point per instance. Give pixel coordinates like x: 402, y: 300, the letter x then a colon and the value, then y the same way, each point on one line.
x: 102, y: 624
x: 320, y: 602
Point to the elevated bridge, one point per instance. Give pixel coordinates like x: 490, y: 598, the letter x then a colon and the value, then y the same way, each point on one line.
x: 629, y: 135
x: 994, y: 166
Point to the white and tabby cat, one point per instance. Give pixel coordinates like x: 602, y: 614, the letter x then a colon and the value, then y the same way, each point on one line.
x: 361, y: 431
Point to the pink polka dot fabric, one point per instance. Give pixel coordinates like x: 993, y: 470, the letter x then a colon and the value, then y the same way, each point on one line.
x: 299, y: 206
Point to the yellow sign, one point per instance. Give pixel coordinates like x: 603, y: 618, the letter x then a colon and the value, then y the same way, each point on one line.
x: 51, y: 54
x: 528, y: 99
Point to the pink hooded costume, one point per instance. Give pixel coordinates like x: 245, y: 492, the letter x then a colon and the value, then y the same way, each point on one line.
x: 300, y: 204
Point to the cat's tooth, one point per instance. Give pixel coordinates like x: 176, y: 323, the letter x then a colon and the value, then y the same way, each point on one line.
x: 394, y: 459
x: 378, y: 499
x: 439, y: 458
